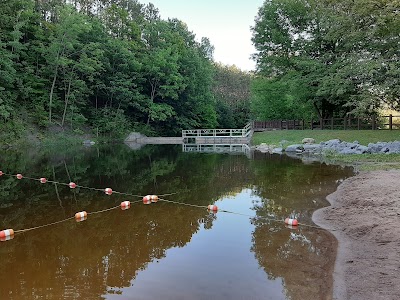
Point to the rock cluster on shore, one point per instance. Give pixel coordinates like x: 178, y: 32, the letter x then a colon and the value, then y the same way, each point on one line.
x: 335, y: 145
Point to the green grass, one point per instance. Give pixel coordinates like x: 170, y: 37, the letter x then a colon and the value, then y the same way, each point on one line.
x: 295, y: 136
x: 364, y: 162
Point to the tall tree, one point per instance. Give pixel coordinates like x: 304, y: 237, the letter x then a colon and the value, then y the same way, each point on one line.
x: 63, y: 52
x: 343, y: 52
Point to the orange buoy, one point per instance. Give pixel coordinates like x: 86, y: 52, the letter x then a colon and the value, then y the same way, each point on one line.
x: 125, y: 204
x: 291, y: 227
x: 154, y: 198
x: 293, y: 222
x: 4, y: 239
x: 147, y: 199
x: 6, y: 234
x: 43, y: 180
x: 1, y: 173
x: 212, y: 208
x: 81, y: 219
x: 81, y: 216
x: 72, y: 185
x: 108, y: 191
x: 19, y: 176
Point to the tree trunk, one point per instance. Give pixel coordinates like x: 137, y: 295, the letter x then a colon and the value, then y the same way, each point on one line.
x: 152, y: 96
x: 66, y: 103
x: 52, y: 92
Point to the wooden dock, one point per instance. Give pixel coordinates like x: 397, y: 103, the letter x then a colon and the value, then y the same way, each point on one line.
x: 218, y: 136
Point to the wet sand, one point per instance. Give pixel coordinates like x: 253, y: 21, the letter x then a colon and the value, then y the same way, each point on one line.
x: 364, y: 216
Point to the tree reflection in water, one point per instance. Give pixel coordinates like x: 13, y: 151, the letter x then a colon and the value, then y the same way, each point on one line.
x: 106, y: 252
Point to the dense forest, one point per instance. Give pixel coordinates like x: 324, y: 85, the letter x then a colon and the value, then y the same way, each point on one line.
x: 108, y: 67
x: 326, y: 58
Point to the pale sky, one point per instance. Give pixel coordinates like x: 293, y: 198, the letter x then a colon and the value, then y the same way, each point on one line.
x: 225, y: 22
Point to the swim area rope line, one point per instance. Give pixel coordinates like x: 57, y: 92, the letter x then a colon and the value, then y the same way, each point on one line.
x: 8, y: 234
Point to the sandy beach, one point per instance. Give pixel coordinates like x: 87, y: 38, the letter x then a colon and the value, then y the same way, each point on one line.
x: 364, y: 217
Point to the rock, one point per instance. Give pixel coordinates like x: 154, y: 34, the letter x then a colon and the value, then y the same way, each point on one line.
x: 336, y: 145
x: 375, y: 148
x: 134, y: 137
x: 384, y: 150
x: 264, y: 148
x: 308, y: 141
x: 277, y: 150
x: 352, y: 145
x: 312, y: 147
x: 294, y: 148
x: 394, y: 147
x: 332, y: 143
x: 362, y: 149
x: 347, y: 151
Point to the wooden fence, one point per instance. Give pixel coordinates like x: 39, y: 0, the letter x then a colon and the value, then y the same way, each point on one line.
x: 350, y: 122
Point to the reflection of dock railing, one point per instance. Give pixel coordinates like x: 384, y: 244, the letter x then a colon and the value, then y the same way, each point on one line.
x: 222, y: 136
x: 218, y: 148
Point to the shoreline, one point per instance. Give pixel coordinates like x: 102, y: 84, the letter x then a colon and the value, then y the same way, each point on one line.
x: 363, y: 217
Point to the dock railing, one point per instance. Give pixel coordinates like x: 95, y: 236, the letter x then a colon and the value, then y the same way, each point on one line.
x: 220, y: 133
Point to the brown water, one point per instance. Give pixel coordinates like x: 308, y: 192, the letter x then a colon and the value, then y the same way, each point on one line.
x: 165, y: 250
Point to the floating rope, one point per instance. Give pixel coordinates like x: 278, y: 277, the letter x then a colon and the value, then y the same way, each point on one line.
x: 19, y: 176
x: 108, y: 191
x: 42, y: 226
x: 239, y: 214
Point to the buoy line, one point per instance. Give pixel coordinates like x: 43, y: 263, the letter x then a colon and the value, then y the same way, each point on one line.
x: 290, y: 221
x: 8, y: 234
x: 73, y: 185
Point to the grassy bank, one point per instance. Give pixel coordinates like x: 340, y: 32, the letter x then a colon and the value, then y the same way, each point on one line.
x: 364, y: 137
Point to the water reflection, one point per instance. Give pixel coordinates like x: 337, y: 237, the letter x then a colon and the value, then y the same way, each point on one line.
x: 163, y: 250
x: 218, y: 148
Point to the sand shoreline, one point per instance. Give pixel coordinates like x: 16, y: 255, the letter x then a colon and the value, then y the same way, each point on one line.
x: 364, y: 216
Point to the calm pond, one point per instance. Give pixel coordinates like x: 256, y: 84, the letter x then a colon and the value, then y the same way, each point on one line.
x: 164, y: 250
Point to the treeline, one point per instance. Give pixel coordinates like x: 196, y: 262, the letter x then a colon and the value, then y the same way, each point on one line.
x: 108, y: 65
x: 324, y: 58
x: 232, y: 93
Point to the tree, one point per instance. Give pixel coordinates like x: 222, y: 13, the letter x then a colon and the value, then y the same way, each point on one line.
x: 114, y: 65
x: 342, y: 52
x: 64, y: 47
x: 232, y: 91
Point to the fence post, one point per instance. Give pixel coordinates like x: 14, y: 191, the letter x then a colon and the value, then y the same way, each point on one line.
x: 344, y: 123
x: 287, y: 124
x: 321, y: 122
x: 373, y: 122
x: 390, y: 122
x: 302, y: 124
x: 358, y: 123
x: 332, y: 123
x: 312, y: 127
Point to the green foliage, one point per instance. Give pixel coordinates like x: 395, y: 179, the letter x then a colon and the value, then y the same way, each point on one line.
x: 232, y: 92
x: 110, y: 65
x: 108, y: 121
x: 343, y: 53
x: 277, y: 98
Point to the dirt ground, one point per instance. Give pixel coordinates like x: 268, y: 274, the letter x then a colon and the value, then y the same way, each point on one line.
x: 364, y: 216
